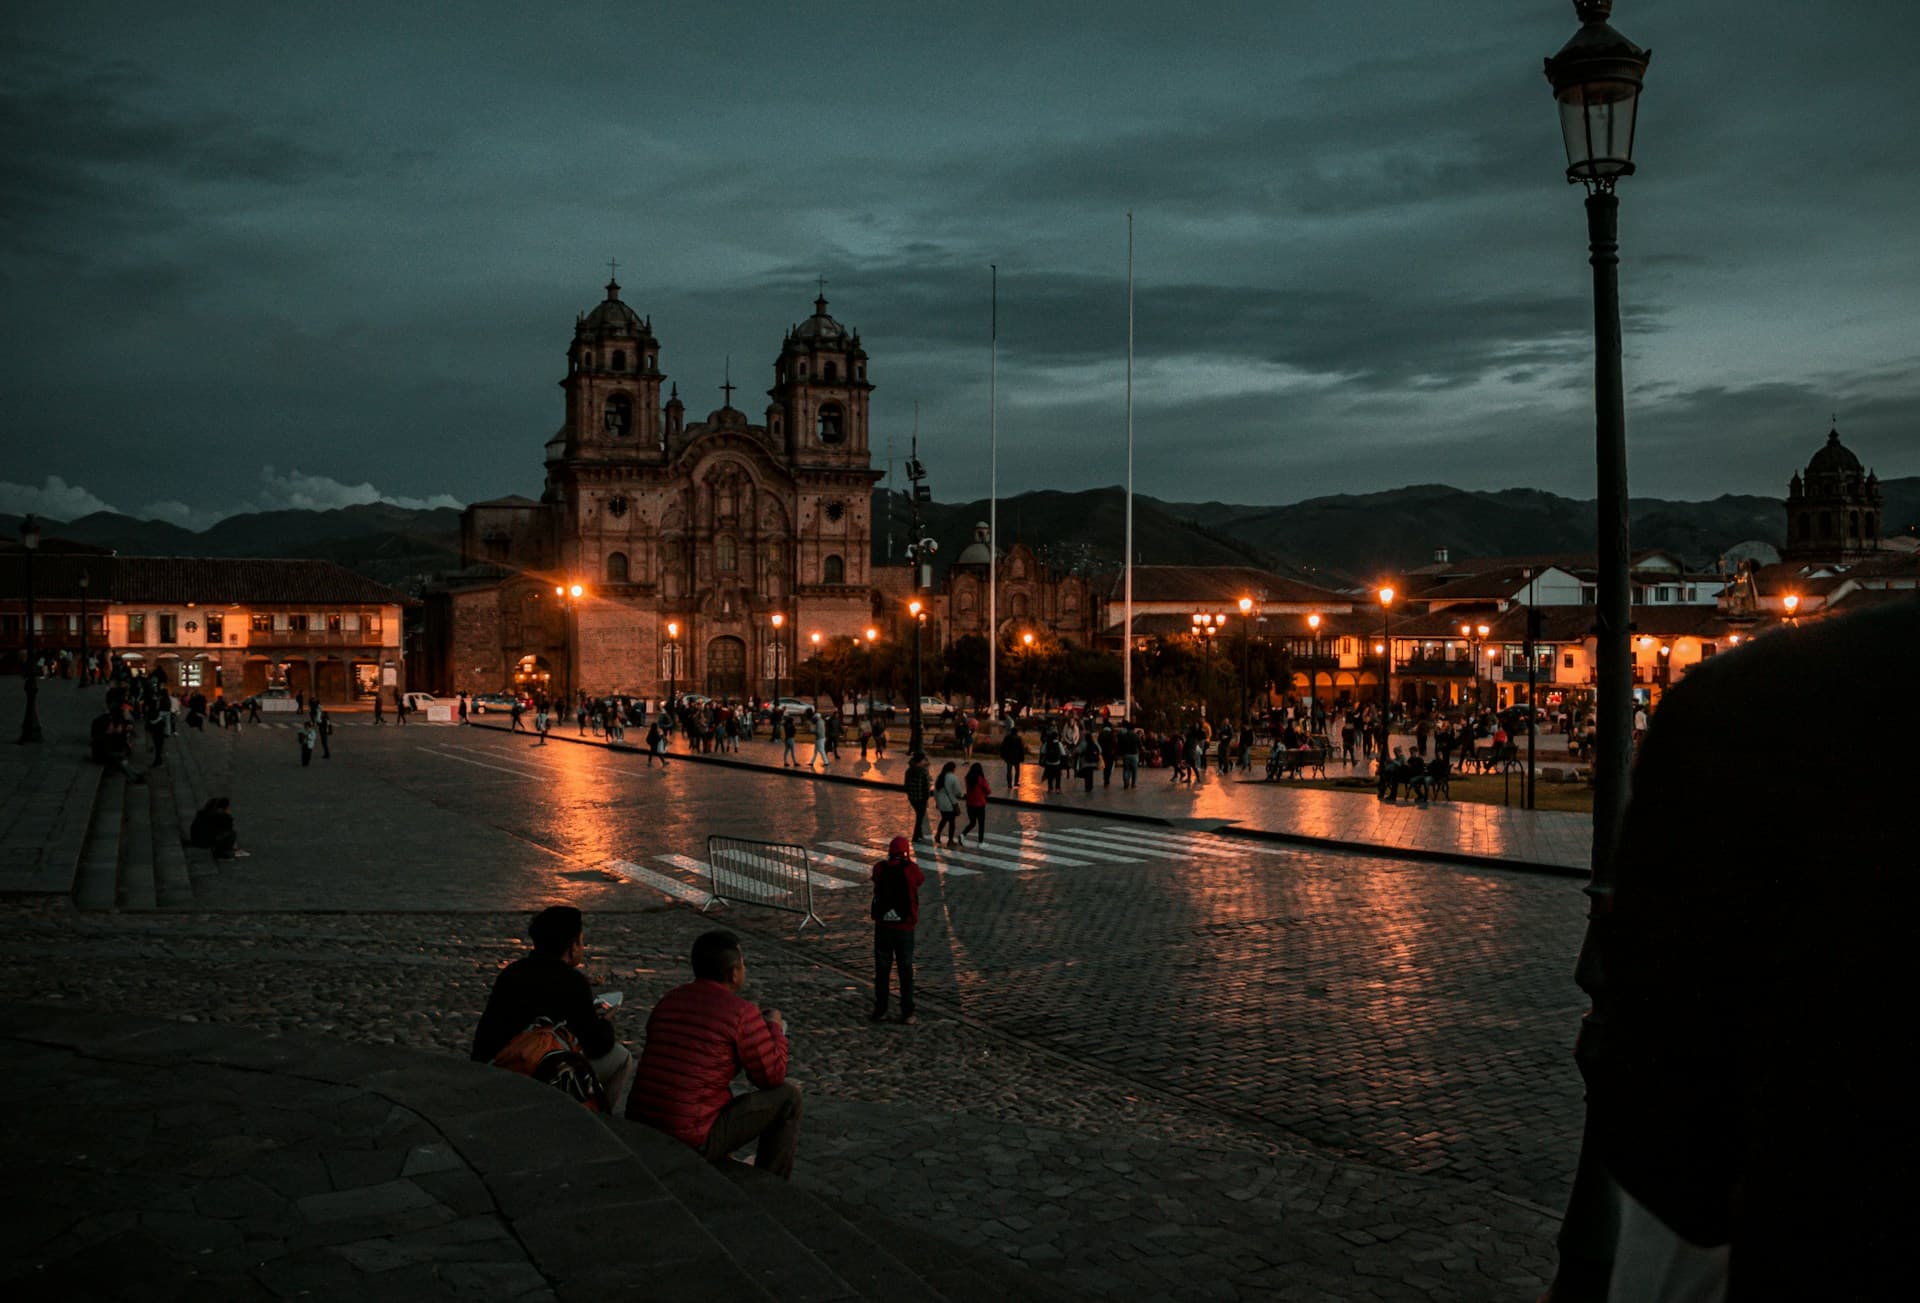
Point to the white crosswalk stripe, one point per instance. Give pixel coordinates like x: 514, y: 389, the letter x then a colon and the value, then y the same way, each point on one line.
x: 1018, y: 849
x: 673, y: 887
x: 1190, y: 843
x: 973, y: 855
x: 1043, y: 841
x: 867, y: 869
x: 779, y: 868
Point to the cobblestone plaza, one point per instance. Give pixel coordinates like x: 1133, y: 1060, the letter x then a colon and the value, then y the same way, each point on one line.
x: 1151, y: 1059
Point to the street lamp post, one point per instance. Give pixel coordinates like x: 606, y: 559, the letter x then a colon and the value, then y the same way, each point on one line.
x: 779, y: 646
x: 872, y: 633
x: 1596, y: 79
x: 1246, y: 657
x: 673, y: 662
x: 1313, y: 669
x: 914, y: 736
x: 1026, y: 663
x: 30, y: 723
x: 1386, y: 671
x: 569, y: 593
x: 814, y: 638
x: 1792, y: 602
x: 86, y: 581
x: 1476, y: 636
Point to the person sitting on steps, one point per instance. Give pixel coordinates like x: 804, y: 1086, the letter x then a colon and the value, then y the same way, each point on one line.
x: 212, y: 829
x: 699, y: 1036
x: 549, y: 984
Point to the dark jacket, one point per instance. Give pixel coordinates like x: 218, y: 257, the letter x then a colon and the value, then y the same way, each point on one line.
x: 1745, y: 1083
x: 540, y: 986
x: 919, y: 784
x: 914, y: 878
x: 1012, y: 749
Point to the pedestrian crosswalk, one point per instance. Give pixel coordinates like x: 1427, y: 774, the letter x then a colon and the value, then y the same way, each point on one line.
x: 840, y: 864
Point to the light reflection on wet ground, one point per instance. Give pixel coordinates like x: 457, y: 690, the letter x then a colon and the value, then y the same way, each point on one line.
x: 1414, y: 1015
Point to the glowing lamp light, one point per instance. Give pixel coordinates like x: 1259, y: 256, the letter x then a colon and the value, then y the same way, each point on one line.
x: 1484, y: 631
x: 778, y: 619
x: 816, y: 638
x: 1027, y: 639
x: 1466, y: 631
x: 1386, y: 596
x: 1246, y: 605
x: 575, y: 591
x: 1645, y: 641
x: 1792, y: 602
x: 1665, y: 650
x: 673, y: 630
x: 872, y: 634
x: 1313, y: 622
x: 913, y: 607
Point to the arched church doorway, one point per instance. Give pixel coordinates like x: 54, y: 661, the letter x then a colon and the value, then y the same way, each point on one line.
x: 727, y: 669
x: 532, y: 674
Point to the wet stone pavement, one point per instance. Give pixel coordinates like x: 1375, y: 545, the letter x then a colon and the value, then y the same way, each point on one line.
x: 1149, y: 1061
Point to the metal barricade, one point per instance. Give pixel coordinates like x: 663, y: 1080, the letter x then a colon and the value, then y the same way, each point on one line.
x: 778, y: 875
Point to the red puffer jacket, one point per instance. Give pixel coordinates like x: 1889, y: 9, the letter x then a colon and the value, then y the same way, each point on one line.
x: 699, y: 1037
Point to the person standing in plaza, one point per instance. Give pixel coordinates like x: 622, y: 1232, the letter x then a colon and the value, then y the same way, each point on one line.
x: 542, y: 717
x: 1013, y: 754
x: 895, y: 913
x: 399, y: 707
x: 975, y: 799
x: 1109, y: 744
x: 323, y: 729
x: 787, y: 731
x: 1087, y: 760
x: 463, y: 708
x: 306, y: 733
x: 379, y: 709
x: 1128, y: 745
x: 948, y: 796
x: 919, y: 785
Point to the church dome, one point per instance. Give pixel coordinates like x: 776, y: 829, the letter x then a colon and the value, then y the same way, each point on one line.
x: 976, y: 553
x: 726, y: 418
x: 612, y: 317
x: 1835, y: 458
x: 820, y: 326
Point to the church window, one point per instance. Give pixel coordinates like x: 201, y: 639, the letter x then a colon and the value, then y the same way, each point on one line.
x: 1853, y: 523
x: 1018, y: 607
x: 831, y: 374
x: 1070, y: 601
x: 619, y: 416
x: 832, y: 428
x: 966, y: 598
x: 726, y: 555
x: 586, y: 361
x: 1805, y: 531
x: 616, y: 567
x: 833, y: 571
x: 1826, y: 524
x: 803, y: 370
x: 619, y: 359
x: 860, y: 371
x: 776, y: 425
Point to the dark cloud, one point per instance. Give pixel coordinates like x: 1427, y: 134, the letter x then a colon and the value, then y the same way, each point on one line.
x: 354, y: 239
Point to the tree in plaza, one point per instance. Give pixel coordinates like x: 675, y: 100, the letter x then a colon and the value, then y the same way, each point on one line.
x: 837, y: 671
x: 964, y: 671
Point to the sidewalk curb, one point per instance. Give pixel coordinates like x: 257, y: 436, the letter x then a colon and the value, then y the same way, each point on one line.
x: 1462, y: 858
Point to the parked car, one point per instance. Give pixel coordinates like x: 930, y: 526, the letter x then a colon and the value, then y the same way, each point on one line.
x: 420, y: 700
x: 790, y: 706
x: 859, y: 706
x: 934, y: 706
x: 482, y: 702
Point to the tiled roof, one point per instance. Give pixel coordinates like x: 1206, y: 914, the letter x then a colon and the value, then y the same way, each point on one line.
x: 242, y: 579
x: 206, y: 580
x: 1217, y: 586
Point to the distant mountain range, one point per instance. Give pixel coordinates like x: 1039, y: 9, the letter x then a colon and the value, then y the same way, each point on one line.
x: 1334, y: 540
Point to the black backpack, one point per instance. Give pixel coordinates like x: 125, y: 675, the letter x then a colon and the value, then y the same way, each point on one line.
x: 892, y: 899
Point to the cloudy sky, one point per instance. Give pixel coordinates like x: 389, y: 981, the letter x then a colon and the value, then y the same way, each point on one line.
x: 258, y: 255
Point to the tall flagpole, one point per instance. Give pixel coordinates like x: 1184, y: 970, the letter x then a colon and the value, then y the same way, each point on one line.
x: 1126, y: 629
x: 993, y: 507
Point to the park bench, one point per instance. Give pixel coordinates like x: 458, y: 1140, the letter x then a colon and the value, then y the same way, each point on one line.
x: 1293, y: 762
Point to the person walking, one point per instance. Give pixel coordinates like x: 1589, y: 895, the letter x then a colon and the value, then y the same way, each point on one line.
x: 542, y: 717
x: 833, y: 737
x: 399, y: 707
x: 379, y: 710
x: 1129, y: 748
x: 896, y: 913
x: 1088, y: 760
x: 1109, y: 744
x: 948, y: 796
x: 656, y: 744
x: 787, y: 731
x: 1013, y: 754
x: 975, y: 798
x: 463, y: 708
x: 323, y: 729
x: 306, y: 732
x: 919, y: 785
x: 159, y: 723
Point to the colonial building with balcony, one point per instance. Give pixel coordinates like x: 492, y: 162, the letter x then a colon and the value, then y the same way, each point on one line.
x: 213, y: 624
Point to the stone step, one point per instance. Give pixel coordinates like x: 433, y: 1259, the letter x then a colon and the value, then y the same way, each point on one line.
x: 793, y: 1245
x: 950, y: 1270
x: 134, y: 886
x: 189, y: 794
x: 172, y: 881
x: 96, y: 881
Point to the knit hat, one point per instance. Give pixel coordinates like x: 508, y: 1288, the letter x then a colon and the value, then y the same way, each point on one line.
x: 899, y: 848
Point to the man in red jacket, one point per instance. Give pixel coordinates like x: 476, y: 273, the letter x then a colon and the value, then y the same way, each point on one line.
x: 699, y: 1037
x: 896, y: 913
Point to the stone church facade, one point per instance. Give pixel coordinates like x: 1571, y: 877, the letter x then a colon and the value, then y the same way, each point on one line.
x: 686, y: 539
